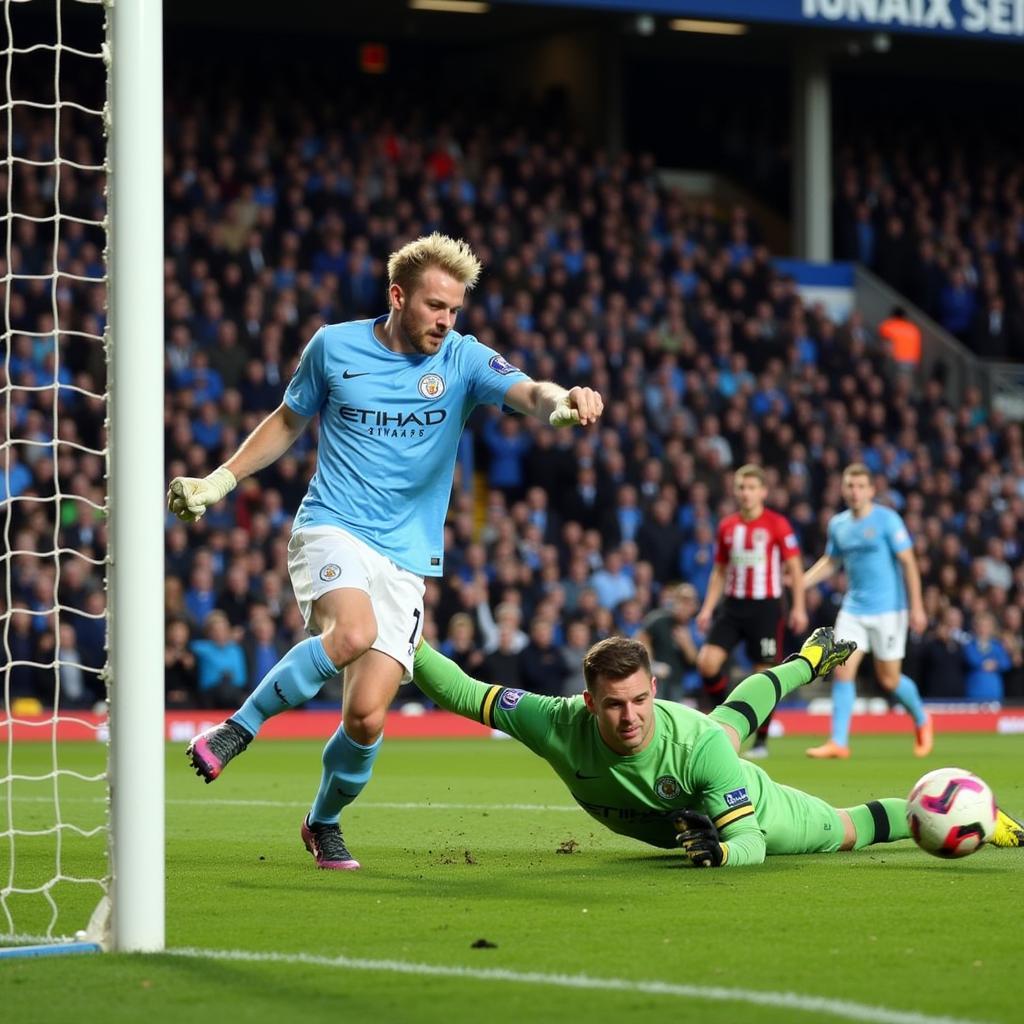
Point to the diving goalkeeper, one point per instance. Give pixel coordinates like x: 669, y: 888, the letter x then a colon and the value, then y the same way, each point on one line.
x: 669, y: 775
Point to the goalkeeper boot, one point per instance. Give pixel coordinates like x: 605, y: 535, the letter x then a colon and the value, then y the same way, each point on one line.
x: 211, y: 750
x: 823, y: 652
x: 1009, y: 831
x: 327, y: 846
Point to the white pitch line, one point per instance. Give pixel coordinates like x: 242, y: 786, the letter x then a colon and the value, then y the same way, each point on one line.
x: 368, y: 804
x: 842, y: 1008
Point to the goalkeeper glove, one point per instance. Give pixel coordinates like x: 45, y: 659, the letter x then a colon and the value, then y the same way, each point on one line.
x: 188, y: 497
x: 564, y: 415
x: 698, y: 837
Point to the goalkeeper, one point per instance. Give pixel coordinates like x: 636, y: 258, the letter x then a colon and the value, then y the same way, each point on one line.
x: 671, y: 776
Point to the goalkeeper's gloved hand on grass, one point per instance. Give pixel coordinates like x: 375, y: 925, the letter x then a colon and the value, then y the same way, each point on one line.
x: 698, y: 838
x: 188, y: 497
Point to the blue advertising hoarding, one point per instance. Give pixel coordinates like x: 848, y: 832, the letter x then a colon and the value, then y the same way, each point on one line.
x: 973, y: 19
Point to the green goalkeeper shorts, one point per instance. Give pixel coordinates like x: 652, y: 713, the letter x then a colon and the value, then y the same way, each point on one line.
x: 796, y: 822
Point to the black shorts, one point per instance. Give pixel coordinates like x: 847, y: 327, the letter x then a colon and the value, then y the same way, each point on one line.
x: 759, y: 623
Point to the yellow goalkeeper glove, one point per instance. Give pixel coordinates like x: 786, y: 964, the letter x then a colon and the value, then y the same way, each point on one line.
x: 188, y: 497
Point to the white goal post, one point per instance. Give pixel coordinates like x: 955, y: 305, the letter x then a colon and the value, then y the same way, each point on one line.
x: 136, y: 609
x: 106, y: 91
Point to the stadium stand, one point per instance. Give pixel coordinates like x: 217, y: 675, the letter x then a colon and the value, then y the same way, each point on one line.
x: 280, y: 218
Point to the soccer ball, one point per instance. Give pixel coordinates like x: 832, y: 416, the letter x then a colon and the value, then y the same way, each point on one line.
x: 951, y: 812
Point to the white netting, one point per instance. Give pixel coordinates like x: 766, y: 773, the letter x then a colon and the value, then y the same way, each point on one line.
x: 53, y: 782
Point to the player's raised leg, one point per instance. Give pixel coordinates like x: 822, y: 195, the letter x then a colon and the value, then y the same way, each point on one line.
x: 755, y: 698
x: 345, y: 626
x: 371, y: 684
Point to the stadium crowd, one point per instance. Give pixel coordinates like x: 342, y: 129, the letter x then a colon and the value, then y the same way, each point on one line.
x: 946, y: 230
x: 281, y: 217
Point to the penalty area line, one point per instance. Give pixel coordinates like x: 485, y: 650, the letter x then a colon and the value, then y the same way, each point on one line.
x: 842, y: 1008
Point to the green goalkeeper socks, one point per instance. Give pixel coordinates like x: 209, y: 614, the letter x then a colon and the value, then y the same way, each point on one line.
x: 879, y: 821
x: 750, y: 704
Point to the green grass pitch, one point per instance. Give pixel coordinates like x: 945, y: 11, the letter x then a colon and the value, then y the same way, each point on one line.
x: 467, y: 840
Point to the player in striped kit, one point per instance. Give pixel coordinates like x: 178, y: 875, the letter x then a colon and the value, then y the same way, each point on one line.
x: 753, y: 547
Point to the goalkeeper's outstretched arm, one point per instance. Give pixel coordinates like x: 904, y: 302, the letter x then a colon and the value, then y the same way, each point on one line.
x: 447, y: 685
x: 188, y: 497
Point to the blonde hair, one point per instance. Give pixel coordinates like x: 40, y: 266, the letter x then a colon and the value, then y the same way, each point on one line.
x: 452, y: 255
x: 754, y: 470
x: 856, y: 469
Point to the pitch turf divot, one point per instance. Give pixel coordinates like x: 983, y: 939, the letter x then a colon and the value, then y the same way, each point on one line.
x: 841, y: 1008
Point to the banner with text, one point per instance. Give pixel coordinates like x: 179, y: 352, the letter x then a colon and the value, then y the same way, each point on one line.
x: 976, y: 19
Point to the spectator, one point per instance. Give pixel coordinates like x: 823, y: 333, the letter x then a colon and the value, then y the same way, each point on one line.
x: 501, y: 665
x: 941, y: 658
x: 263, y: 649
x: 180, y: 678
x: 541, y: 664
x: 222, y: 674
x: 671, y: 636
x: 460, y: 644
x: 986, y: 660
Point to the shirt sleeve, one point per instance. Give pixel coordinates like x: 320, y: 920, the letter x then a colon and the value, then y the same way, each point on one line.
x: 832, y: 548
x: 788, y: 544
x: 307, y: 390
x: 716, y: 774
x: 524, y: 716
x: 896, y: 533
x: 721, y: 547
x: 488, y: 374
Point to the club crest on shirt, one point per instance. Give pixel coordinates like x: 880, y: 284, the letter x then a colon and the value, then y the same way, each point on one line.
x: 431, y: 385
x: 499, y: 364
x: 330, y: 572
x: 760, y: 538
x: 667, y: 788
x: 509, y: 699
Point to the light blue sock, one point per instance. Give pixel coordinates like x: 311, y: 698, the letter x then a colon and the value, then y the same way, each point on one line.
x: 908, y: 695
x: 296, y: 678
x: 347, y: 768
x: 844, y: 692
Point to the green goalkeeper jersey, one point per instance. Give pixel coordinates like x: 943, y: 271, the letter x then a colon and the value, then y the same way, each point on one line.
x: 689, y: 762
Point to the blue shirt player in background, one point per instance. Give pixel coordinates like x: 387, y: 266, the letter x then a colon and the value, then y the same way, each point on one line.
x: 873, y: 546
x: 393, y: 395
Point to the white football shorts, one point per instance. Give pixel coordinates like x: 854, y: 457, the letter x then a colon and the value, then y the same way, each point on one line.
x: 883, y: 635
x: 323, y: 558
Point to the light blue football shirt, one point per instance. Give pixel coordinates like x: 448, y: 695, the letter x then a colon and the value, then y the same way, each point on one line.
x: 390, y: 425
x: 868, y: 549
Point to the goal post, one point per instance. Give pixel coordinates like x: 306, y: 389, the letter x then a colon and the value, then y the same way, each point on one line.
x: 81, y: 477
x: 136, y: 458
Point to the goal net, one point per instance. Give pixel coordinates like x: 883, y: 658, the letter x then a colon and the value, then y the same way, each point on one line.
x: 64, y: 558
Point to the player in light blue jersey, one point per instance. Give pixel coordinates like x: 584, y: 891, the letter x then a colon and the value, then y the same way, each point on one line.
x: 873, y: 546
x: 393, y: 395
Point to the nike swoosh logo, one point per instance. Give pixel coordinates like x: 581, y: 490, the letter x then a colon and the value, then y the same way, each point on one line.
x: 580, y: 775
x: 348, y: 376
x: 341, y: 792
x: 280, y: 695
